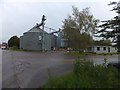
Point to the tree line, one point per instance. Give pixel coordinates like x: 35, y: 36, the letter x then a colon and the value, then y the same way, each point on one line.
x: 80, y: 27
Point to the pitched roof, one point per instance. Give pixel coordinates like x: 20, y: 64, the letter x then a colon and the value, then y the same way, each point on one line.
x: 36, y: 30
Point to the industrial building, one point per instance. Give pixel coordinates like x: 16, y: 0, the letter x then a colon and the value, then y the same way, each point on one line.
x: 61, y: 41
x: 36, y: 39
x: 39, y: 40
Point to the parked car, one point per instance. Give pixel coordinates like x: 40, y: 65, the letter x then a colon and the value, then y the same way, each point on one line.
x: 114, y: 64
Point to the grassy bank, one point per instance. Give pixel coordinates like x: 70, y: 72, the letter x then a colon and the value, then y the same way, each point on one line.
x: 78, y: 54
x: 87, y: 75
x: 17, y: 49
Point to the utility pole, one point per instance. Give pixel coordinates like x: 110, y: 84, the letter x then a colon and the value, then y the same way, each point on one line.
x: 43, y: 41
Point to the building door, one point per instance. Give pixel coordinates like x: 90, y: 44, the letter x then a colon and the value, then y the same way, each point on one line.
x: 108, y: 49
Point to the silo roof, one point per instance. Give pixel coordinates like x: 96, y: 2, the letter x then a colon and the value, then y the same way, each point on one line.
x: 35, y: 30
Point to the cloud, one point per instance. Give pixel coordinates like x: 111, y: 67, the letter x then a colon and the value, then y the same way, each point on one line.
x: 21, y: 1
x: 18, y: 16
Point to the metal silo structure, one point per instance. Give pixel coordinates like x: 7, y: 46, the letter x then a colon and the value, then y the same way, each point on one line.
x: 33, y: 40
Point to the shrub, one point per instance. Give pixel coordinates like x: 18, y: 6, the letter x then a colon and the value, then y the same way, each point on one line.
x: 87, y: 75
x: 13, y: 48
x: 96, y: 75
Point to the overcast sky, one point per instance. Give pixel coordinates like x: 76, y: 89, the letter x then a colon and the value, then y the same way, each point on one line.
x: 18, y: 16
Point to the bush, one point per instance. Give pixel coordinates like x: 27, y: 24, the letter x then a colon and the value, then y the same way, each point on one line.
x: 96, y: 75
x: 87, y: 75
x: 13, y: 48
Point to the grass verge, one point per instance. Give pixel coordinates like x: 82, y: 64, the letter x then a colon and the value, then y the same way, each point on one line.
x: 78, y: 54
x: 87, y: 75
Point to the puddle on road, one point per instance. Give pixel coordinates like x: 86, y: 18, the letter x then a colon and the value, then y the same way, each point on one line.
x: 21, y: 66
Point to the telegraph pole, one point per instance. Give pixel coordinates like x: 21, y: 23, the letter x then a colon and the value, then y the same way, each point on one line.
x: 43, y: 41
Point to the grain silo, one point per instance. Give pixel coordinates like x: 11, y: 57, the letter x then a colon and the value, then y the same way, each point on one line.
x: 33, y: 40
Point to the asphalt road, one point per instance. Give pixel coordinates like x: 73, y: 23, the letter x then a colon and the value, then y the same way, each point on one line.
x: 0, y: 69
x: 32, y: 69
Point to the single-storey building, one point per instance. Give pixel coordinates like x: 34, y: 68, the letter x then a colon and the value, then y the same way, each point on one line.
x: 102, y: 49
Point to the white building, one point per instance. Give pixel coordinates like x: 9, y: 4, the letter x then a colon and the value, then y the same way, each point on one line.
x: 103, y: 49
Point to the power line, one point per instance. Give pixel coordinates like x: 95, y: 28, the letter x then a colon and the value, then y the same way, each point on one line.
x: 54, y: 30
x: 50, y: 28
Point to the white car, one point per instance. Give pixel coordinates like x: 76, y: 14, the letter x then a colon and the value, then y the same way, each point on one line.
x: 3, y: 47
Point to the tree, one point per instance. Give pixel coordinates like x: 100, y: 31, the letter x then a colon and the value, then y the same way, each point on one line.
x: 103, y: 42
x: 79, y: 27
x: 111, y: 28
x: 14, y: 41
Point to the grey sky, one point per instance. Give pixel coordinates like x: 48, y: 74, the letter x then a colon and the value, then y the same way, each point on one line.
x: 18, y: 16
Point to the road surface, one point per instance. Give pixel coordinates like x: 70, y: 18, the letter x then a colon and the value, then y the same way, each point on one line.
x: 0, y: 69
x: 32, y: 69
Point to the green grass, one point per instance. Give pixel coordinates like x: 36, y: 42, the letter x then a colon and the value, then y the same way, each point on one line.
x: 79, y: 54
x: 16, y: 49
x: 86, y: 75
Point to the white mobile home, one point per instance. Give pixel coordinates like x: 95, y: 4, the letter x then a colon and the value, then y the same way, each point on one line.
x: 103, y: 49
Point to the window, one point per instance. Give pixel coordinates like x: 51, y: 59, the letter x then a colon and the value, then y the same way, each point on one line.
x: 98, y: 48
x: 104, y: 48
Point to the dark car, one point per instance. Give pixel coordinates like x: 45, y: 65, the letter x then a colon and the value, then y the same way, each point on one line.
x: 114, y: 64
